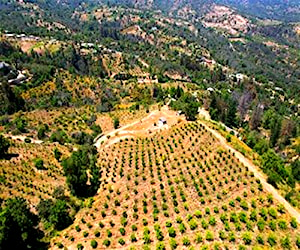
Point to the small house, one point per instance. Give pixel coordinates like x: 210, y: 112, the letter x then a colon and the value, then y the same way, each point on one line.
x: 162, y: 121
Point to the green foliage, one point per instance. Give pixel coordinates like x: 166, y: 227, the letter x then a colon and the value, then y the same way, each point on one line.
x: 188, y: 104
x: 76, y: 169
x: 116, y: 122
x: 94, y: 244
x: 4, y: 145
x: 173, y: 244
x: 20, y: 124
x: 273, y: 166
x: 59, y: 136
x: 209, y: 236
x: 224, y: 108
x: 121, y: 241
x: 18, y: 226
x: 247, y: 238
x: 42, y: 131
x: 57, y: 154
x: 39, y: 164
x: 56, y: 212
x: 59, y: 215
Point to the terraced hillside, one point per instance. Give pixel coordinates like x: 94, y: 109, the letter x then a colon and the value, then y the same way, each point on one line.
x: 179, y: 188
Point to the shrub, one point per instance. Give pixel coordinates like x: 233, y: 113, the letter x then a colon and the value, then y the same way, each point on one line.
x: 186, y: 241
x: 260, y: 240
x: 231, y: 237
x: 160, y: 246
x: 116, y: 123
x: 85, y: 234
x: 182, y: 228
x: 79, y: 246
x: 198, y: 214
x: 209, y: 236
x: 247, y: 238
x: 146, y: 238
x: 199, y: 238
x: 133, y: 238
x: 172, y: 232
x: 204, y: 224
x: 212, y: 221
x: 193, y: 224
x: 173, y: 244
x: 261, y: 225
x: 134, y: 228
x: 272, y: 240
x: 109, y: 233
x: 97, y: 233
x: 244, y: 205
x: 121, y: 241
x: 286, y: 242
x: 273, y: 213
x: 222, y: 235
x: 298, y: 241
x: 4, y: 145
x: 282, y: 224
x: 272, y: 225
x: 294, y: 223
x: 39, y: 164
x: 94, y: 244
x: 106, y: 242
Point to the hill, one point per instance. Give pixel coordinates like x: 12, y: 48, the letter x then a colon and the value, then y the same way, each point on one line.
x: 148, y: 125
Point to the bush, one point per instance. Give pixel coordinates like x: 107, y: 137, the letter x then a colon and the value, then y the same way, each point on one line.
x: 160, y: 246
x: 79, y: 246
x: 282, y: 224
x: 106, y: 242
x: 121, y: 241
x: 247, y: 238
x: 209, y: 236
x: 260, y: 240
x: 4, y: 145
x: 133, y: 238
x: 172, y: 232
x: 193, y: 224
x: 94, y: 244
x: 146, y: 238
x: 186, y: 241
x: 286, y: 242
x: 298, y: 241
x: 57, y: 154
x: 182, y: 228
x: 272, y: 240
x: 294, y: 223
x: 173, y: 244
x: 39, y: 164
x: 116, y: 123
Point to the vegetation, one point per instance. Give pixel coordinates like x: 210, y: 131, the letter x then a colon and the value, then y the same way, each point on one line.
x: 70, y: 73
x: 77, y: 169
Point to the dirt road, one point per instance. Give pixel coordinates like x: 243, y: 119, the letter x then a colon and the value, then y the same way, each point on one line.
x: 139, y: 127
x: 269, y: 188
x: 22, y: 138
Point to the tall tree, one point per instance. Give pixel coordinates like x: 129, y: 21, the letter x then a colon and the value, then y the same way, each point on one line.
x: 4, y: 145
x: 82, y: 172
x: 18, y: 226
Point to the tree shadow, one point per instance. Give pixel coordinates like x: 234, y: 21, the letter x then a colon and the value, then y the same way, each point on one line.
x: 8, y: 156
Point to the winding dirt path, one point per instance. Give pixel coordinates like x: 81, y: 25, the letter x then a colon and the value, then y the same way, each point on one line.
x: 138, y: 127
x: 269, y: 188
